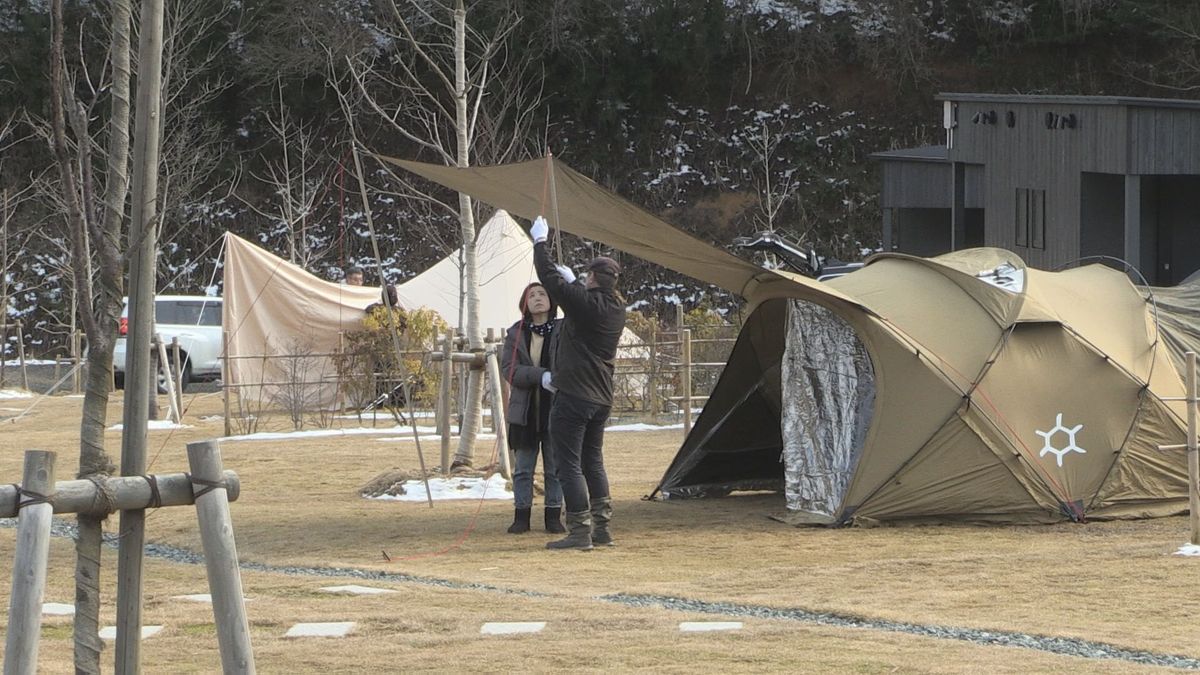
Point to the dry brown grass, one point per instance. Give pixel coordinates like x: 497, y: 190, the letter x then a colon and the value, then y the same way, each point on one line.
x: 1110, y: 582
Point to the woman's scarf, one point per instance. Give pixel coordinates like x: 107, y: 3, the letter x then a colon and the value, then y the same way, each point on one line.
x: 543, y: 329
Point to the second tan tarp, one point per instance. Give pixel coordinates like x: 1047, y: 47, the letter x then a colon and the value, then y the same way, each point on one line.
x: 282, y: 322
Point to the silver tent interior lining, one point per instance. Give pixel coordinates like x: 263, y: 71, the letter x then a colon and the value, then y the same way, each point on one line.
x: 828, y: 399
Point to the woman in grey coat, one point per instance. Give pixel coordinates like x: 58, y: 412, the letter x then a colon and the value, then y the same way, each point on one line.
x: 529, y: 347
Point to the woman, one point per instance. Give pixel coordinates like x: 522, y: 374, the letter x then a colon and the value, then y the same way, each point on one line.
x: 529, y: 347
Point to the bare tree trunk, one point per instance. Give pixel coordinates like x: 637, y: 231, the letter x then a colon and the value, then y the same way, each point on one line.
x: 472, y: 417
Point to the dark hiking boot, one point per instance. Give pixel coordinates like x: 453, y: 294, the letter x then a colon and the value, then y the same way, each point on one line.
x: 520, y: 521
x: 580, y: 538
x: 601, y: 515
x: 554, y: 520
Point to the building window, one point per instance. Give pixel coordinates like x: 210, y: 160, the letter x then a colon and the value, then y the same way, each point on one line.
x: 1031, y: 218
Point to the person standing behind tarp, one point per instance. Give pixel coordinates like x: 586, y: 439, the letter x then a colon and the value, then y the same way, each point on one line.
x: 582, y: 378
x: 528, y: 351
x: 354, y: 276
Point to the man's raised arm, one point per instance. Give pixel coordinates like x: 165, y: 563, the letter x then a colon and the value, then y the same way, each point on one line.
x: 570, y: 296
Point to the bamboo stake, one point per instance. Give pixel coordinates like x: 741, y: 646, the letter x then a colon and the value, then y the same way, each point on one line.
x: 75, y: 358
x: 1193, y: 455
x: 220, y: 559
x: 177, y: 371
x: 493, y: 374
x: 165, y: 366
x: 29, y: 568
x: 21, y: 356
x: 444, y: 400
x: 686, y: 379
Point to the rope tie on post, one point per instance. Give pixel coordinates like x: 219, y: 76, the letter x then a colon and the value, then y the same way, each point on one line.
x: 209, y: 486
x: 155, y: 496
x: 34, y: 497
x: 104, y: 500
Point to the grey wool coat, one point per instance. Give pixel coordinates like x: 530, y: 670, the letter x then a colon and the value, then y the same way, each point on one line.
x: 517, y: 368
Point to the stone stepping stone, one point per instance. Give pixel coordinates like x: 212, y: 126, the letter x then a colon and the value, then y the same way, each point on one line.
x: 58, y: 609
x: 353, y: 589
x: 511, y: 627
x: 201, y: 597
x: 327, y: 629
x: 708, y: 626
x: 110, y: 632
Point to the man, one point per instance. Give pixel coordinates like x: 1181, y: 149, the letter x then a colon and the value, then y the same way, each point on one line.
x: 354, y: 276
x: 582, y: 376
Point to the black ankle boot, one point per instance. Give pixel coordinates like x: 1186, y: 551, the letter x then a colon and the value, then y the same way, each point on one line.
x: 554, y: 520
x: 520, y: 521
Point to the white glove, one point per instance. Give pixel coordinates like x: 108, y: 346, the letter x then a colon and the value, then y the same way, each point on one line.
x: 566, y: 273
x: 546, y: 383
x: 539, y: 230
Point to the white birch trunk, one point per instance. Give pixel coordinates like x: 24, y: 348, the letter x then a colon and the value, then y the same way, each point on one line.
x: 472, y: 416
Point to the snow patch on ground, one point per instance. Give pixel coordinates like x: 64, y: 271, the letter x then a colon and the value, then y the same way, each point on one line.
x: 1188, y: 549
x: 455, y: 487
x: 154, y: 425
x: 14, y: 393
x: 642, y: 426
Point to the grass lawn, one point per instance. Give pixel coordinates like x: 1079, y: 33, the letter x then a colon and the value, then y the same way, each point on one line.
x: 1108, y: 582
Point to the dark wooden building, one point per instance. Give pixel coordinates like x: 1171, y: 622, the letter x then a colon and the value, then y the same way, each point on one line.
x: 1054, y: 179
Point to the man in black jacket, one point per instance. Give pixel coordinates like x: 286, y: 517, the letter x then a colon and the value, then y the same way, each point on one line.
x: 582, y: 376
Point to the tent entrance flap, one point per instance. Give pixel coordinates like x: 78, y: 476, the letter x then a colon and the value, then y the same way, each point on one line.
x: 828, y: 387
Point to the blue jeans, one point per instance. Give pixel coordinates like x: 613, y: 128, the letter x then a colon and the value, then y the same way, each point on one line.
x: 577, y: 436
x: 523, y: 477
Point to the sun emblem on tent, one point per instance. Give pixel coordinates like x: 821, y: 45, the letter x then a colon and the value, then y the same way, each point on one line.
x: 1070, y: 433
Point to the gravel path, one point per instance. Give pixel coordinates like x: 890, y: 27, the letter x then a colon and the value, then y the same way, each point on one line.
x: 1054, y: 645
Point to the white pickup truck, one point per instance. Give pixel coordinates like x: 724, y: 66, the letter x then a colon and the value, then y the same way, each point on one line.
x: 196, y: 321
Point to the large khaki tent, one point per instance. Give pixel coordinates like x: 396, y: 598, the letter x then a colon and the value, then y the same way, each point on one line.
x: 281, y: 321
x: 965, y: 387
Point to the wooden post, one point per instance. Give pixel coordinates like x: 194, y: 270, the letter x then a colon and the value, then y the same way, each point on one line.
x: 3, y: 337
x: 341, y: 380
x: 489, y: 339
x: 123, y: 492
x: 29, y: 566
x: 1193, y: 455
x: 225, y: 384
x: 652, y: 377
x: 444, y: 400
x: 21, y: 357
x: 493, y: 375
x: 686, y: 379
x: 220, y: 558
x: 143, y: 244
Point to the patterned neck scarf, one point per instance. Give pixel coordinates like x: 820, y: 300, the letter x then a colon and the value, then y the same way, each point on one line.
x: 543, y: 329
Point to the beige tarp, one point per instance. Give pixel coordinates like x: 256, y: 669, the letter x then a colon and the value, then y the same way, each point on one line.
x: 1000, y: 393
x: 282, y: 322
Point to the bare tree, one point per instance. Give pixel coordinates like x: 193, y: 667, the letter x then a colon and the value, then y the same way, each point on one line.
x: 441, y: 99
x: 12, y: 238
x: 294, y: 180
x: 95, y: 232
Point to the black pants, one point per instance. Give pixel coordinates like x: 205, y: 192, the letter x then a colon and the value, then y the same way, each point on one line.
x: 577, y: 434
